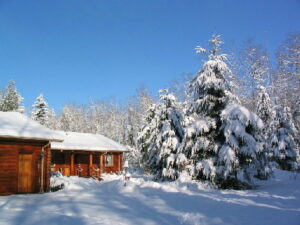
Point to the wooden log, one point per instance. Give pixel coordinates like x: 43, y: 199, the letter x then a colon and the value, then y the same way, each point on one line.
x: 72, y: 165
x: 100, y: 162
x: 91, y: 165
x: 119, y: 163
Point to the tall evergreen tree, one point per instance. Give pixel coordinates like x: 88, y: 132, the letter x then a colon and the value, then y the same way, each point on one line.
x: 160, y: 138
x: 209, y: 94
x: 264, y: 107
x: 11, y: 99
x: 264, y: 110
x: 40, y: 110
x: 284, y: 146
x: 221, y: 138
x: 242, y: 151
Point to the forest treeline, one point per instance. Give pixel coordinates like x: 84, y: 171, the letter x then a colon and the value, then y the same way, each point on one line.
x: 239, y: 114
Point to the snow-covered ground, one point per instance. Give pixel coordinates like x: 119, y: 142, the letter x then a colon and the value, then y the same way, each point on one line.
x: 142, y: 201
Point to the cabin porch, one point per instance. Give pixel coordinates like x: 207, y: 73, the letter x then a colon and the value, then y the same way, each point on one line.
x: 86, y: 163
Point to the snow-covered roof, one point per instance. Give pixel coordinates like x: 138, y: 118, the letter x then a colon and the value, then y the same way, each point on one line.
x: 87, y: 142
x: 17, y: 125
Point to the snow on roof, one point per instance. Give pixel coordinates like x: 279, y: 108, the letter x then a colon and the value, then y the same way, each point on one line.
x: 86, y: 141
x: 17, y: 125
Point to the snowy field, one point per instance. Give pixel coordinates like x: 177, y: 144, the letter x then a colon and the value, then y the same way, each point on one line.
x: 141, y: 201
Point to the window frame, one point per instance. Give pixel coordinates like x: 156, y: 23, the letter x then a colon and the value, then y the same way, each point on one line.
x: 111, y: 163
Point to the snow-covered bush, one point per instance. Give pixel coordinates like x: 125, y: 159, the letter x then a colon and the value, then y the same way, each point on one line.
x: 57, y: 181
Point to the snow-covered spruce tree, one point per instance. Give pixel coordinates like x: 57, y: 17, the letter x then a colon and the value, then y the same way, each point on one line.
x: 40, y: 111
x: 209, y: 94
x: 146, y: 135
x: 221, y: 137
x: 11, y: 100
x: 264, y: 110
x: 161, y: 136
x: 264, y: 107
x: 284, y: 147
x: 242, y: 151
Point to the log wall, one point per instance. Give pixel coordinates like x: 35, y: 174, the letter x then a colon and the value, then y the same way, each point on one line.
x: 117, y: 165
x: 9, y: 164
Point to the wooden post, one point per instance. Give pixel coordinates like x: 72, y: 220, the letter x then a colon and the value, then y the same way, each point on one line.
x: 121, y: 161
x: 100, y: 162
x: 119, y: 164
x: 72, y: 165
x: 99, y: 173
x: 91, y: 165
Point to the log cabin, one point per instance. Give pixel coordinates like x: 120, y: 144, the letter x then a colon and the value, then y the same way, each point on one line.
x: 24, y: 154
x: 86, y: 155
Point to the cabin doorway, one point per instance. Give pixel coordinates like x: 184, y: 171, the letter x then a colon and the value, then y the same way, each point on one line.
x: 82, y: 165
x: 25, y: 174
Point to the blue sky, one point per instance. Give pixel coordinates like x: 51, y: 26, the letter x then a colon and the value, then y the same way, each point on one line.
x: 76, y: 50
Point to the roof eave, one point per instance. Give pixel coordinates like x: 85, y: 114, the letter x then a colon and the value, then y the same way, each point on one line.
x: 90, y: 150
x: 31, y: 138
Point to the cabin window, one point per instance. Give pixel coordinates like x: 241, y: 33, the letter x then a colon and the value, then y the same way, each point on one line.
x: 109, y: 160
